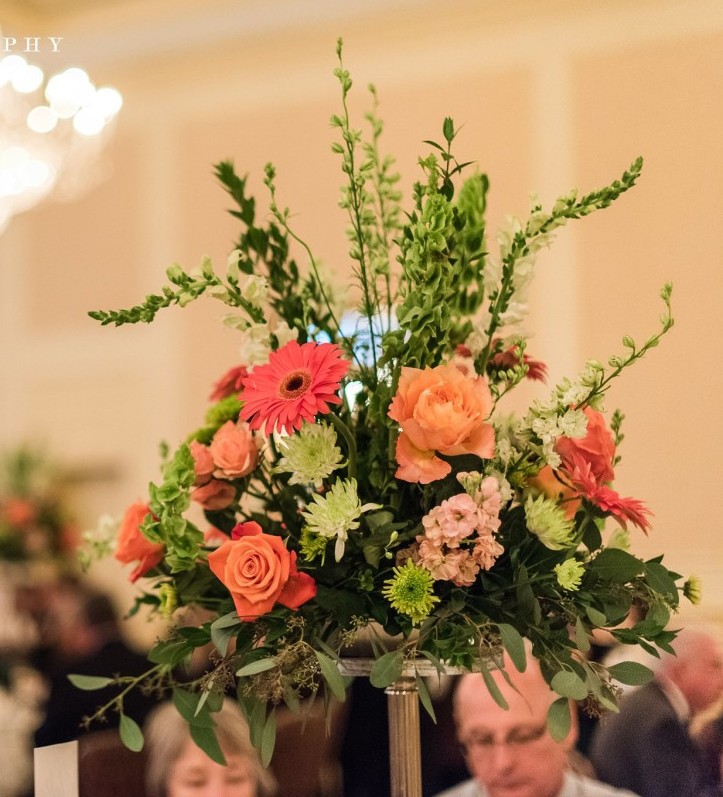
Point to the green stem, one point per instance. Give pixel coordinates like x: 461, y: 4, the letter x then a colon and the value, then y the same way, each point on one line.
x: 341, y: 427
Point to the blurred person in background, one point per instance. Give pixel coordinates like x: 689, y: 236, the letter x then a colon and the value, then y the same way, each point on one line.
x: 86, y: 640
x: 647, y: 747
x: 510, y: 752
x: 177, y: 767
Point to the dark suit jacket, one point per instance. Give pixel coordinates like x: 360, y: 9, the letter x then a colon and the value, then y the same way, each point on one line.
x: 646, y: 748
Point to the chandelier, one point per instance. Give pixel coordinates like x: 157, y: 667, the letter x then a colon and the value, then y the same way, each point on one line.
x: 52, y: 132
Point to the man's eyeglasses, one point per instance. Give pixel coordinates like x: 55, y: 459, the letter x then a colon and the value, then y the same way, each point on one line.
x: 517, y: 738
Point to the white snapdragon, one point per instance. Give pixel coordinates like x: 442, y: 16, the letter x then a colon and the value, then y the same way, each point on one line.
x: 255, y: 344
x: 284, y: 333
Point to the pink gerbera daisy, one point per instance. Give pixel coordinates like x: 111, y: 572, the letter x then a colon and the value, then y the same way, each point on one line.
x: 604, y: 497
x: 297, y: 383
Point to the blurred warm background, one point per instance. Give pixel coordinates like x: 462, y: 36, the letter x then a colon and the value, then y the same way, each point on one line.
x: 551, y: 94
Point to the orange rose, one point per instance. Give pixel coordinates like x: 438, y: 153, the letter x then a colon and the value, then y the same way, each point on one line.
x: 259, y: 572
x: 214, y: 495
x: 597, y: 448
x: 133, y: 546
x: 440, y: 410
x: 234, y: 450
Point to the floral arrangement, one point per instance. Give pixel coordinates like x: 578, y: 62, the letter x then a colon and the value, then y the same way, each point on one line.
x: 364, y: 479
x: 34, y: 523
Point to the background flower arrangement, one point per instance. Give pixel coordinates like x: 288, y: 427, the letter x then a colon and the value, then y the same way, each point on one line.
x: 363, y: 480
x: 35, y: 523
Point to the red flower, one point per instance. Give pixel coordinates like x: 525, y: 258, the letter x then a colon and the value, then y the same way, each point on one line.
x: 133, y: 546
x: 604, y: 497
x: 295, y: 385
x: 260, y: 572
x: 230, y: 384
x: 504, y: 360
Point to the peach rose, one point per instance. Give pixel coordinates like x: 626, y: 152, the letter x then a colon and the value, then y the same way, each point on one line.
x: 133, y: 546
x: 234, y: 450
x: 215, y: 494
x: 440, y: 411
x: 597, y: 448
x: 203, y: 464
x: 260, y: 572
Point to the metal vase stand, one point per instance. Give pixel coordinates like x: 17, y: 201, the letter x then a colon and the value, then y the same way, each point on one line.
x: 405, y: 756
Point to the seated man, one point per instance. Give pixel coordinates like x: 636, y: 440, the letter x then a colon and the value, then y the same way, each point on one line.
x: 510, y: 752
x: 647, y: 746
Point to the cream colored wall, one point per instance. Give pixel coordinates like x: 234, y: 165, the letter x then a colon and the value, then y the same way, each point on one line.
x: 551, y: 94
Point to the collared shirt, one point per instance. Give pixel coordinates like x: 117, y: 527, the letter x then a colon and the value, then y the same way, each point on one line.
x: 573, y: 786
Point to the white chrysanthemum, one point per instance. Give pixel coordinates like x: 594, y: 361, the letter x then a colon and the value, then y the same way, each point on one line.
x: 337, y: 513
x: 546, y: 520
x: 310, y: 456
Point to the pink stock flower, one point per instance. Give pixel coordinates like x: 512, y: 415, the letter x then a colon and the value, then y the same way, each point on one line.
x: 230, y: 384
x: 451, y: 521
x: 486, y: 551
x: 440, y: 411
x: 297, y: 383
x: 233, y: 450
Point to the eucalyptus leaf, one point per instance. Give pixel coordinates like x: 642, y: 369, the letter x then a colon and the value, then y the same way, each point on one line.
x: 631, y: 673
x: 514, y: 645
x: 255, y: 667
x: 89, y: 683
x: 493, y: 689
x: 205, y: 738
x: 597, y: 617
x: 387, y: 669
x: 221, y: 638
x: 268, y: 739
x: 331, y: 674
x: 130, y: 733
x: 569, y: 684
x: 425, y: 698
x: 581, y: 636
x: 226, y: 621
x: 559, y: 719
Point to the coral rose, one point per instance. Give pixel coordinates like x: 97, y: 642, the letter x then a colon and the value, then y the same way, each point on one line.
x: 234, y: 450
x: 203, y: 463
x: 597, y: 448
x: 440, y: 411
x: 260, y: 572
x: 133, y: 546
x: 214, y: 495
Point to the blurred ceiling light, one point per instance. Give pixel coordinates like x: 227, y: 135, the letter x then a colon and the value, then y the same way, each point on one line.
x: 52, y: 132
